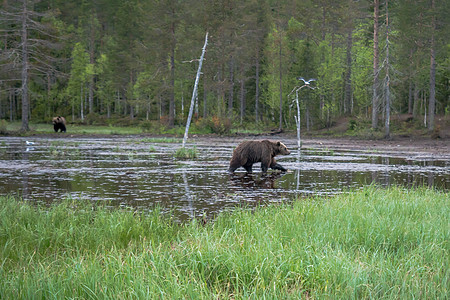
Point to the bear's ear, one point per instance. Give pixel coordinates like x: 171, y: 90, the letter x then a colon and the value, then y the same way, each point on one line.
x: 278, y: 143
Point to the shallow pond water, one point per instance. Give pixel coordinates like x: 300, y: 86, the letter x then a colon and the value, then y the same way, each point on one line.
x: 143, y: 172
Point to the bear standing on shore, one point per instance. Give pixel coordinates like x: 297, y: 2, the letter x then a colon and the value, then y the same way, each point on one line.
x: 59, y: 123
x: 250, y: 152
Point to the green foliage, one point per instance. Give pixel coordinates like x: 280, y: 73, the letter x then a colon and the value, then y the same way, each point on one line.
x: 352, y: 124
x: 362, y: 69
x: 79, y: 74
x: 373, y: 243
x: 276, y: 41
x: 136, y: 61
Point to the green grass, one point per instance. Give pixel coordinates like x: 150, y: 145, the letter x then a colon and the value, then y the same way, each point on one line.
x: 161, y: 140
x: 186, y: 153
x: 76, y: 129
x: 41, y: 128
x: 373, y: 243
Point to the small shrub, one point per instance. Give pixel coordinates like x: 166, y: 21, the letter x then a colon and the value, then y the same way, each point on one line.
x: 219, y: 125
x: 146, y: 126
x: 436, y: 132
x: 3, y: 126
x: 352, y: 125
x: 186, y: 153
x: 154, y: 126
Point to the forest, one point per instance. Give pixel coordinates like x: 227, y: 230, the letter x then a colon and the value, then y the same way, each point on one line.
x: 134, y: 62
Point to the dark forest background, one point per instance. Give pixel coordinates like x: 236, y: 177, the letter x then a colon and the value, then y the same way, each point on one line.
x: 134, y: 62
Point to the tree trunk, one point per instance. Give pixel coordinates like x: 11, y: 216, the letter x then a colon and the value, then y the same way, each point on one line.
x: 410, y: 98
x: 432, y: 100
x: 81, y: 104
x: 307, y: 118
x: 410, y: 89
x: 376, y: 58
x: 257, y: 89
x: 221, y: 109
x: 205, y: 97
x: 416, y: 100
x: 348, y: 73
x: 25, y: 66
x: 196, y: 107
x: 388, y: 95
x: 230, y: 96
x: 242, y: 101
x: 194, y: 92
x: 91, y: 61
x: 117, y: 106
x: 172, y: 77
x: 281, y: 88
x: 322, y: 96
x: 11, y: 118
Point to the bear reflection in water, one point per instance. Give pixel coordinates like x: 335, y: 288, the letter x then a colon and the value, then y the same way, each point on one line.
x: 249, y: 181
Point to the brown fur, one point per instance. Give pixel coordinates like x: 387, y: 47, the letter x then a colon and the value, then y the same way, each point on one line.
x: 250, y: 152
x: 59, y: 123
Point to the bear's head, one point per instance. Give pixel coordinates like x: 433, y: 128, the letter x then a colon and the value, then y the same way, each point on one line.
x: 58, y: 120
x: 281, y: 148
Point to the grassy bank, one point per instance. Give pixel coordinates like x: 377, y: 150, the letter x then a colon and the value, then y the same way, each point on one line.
x: 41, y: 128
x: 373, y: 243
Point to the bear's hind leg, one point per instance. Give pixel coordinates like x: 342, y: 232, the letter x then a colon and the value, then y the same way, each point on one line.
x: 264, y: 168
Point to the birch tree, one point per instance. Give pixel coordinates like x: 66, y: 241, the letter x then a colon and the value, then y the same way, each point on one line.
x: 195, y: 91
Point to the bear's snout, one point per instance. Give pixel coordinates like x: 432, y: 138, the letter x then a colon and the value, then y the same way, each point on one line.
x: 285, y: 151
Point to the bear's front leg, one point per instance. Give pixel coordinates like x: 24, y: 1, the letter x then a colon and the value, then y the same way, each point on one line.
x: 277, y: 166
x: 231, y: 169
x: 248, y: 168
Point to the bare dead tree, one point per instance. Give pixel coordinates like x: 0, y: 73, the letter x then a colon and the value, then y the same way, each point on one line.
x: 194, y: 92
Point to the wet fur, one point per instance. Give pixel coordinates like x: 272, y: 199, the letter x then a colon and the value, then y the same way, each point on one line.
x: 59, y: 123
x: 250, y: 152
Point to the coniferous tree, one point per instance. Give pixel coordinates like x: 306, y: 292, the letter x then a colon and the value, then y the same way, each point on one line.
x: 27, y: 36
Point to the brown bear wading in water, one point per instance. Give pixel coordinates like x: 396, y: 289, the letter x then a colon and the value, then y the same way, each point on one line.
x: 59, y: 123
x: 250, y: 152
